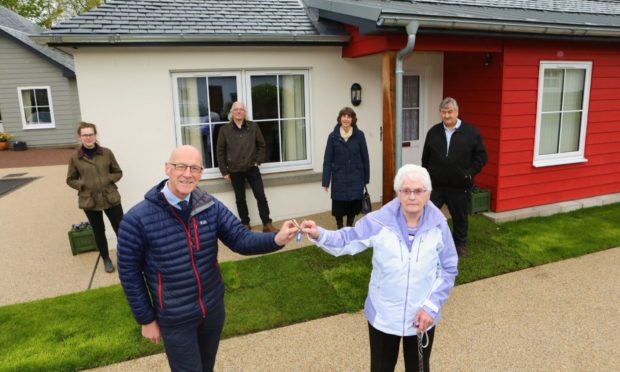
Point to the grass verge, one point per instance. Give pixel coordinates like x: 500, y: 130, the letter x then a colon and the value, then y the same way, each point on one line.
x: 95, y: 328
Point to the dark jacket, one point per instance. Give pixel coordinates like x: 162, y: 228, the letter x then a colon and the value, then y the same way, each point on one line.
x: 95, y: 179
x: 346, y: 165
x: 457, y: 167
x: 178, y: 258
x: 240, y: 149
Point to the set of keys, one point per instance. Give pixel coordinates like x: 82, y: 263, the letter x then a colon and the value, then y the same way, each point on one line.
x: 298, y: 238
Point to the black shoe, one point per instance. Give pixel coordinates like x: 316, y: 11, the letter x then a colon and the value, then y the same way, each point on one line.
x: 109, y: 267
x: 461, y: 251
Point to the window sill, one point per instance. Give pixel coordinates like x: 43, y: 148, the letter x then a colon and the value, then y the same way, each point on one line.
x: 213, y: 186
x: 552, y: 162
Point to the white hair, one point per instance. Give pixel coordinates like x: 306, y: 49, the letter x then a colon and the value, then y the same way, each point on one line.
x: 412, y: 171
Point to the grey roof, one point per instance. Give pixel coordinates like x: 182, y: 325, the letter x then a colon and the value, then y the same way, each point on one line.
x: 195, y: 21
x: 20, y: 30
x: 596, y: 18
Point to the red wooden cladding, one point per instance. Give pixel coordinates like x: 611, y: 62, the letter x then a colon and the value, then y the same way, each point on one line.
x: 520, y: 184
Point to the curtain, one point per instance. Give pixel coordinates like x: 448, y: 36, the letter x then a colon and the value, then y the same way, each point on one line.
x: 293, y: 117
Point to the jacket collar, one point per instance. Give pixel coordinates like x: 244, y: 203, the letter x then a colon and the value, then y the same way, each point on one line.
x: 81, y: 153
x: 391, y: 215
x: 200, y: 199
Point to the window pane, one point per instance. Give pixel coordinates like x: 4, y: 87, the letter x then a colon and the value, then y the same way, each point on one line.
x: 271, y: 132
x: 41, y: 97
x: 411, y: 91
x: 552, y: 91
x: 191, y: 135
x: 292, y: 96
x: 411, y: 125
x: 573, y: 89
x: 192, y: 99
x: 222, y: 94
x: 43, y: 115
x: 571, y: 125
x: 294, y: 140
x: 549, y: 134
x: 264, y: 97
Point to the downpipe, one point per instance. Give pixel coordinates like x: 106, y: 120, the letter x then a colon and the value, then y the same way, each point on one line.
x: 412, y: 29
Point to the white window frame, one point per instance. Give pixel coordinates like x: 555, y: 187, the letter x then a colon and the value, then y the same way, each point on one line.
x: 244, y: 94
x: 567, y: 157
x: 247, y: 94
x: 29, y: 126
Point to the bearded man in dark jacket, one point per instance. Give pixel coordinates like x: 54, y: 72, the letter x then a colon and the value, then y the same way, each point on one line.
x: 453, y: 154
x: 167, y: 262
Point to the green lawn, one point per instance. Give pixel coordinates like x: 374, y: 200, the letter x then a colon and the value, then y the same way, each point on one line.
x: 95, y: 328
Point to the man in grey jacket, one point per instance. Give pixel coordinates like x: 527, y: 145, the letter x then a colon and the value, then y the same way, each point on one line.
x: 240, y: 150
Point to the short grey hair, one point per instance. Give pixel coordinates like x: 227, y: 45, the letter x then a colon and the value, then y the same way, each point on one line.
x: 447, y: 102
x: 412, y: 171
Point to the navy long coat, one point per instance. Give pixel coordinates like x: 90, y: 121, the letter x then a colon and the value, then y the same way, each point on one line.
x: 346, y: 165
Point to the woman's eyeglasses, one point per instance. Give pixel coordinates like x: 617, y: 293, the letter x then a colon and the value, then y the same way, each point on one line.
x: 416, y: 192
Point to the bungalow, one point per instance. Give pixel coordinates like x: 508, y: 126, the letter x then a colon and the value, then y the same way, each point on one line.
x: 38, y: 92
x: 539, y: 83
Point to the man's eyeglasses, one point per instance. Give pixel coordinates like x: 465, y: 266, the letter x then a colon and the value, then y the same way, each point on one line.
x: 182, y: 167
x: 416, y: 192
x: 87, y: 135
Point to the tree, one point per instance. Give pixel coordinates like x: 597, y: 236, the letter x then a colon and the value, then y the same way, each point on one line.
x: 45, y: 13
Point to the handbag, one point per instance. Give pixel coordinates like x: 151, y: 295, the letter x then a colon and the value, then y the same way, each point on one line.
x: 366, y: 204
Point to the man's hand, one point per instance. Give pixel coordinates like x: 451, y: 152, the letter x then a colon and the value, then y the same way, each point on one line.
x: 151, y: 331
x: 309, y: 227
x: 422, y: 321
x: 287, y: 233
x: 227, y: 177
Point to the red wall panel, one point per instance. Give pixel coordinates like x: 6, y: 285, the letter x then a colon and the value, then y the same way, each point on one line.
x: 519, y: 183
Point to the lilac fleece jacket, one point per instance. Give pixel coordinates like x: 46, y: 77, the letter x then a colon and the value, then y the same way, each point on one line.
x: 406, y: 275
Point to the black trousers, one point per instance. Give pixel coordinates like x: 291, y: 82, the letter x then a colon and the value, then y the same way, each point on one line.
x: 384, y: 350
x: 95, y: 218
x: 457, y: 201
x: 192, y: 346
x: 255, y: 180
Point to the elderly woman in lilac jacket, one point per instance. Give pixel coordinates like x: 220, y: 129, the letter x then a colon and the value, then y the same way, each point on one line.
x: 414, y: 265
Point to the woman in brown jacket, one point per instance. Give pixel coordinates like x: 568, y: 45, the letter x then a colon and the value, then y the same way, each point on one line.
x: 93, y: 171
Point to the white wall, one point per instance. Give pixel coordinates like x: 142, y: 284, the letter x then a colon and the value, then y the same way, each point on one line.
x: 127, y: 92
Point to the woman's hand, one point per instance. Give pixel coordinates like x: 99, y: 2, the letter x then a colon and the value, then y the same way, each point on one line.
x: 310, y: 228
x: 422, y: 321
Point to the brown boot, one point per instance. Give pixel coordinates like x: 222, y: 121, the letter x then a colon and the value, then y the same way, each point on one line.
x: 247, y: 226
x: 268, y: 227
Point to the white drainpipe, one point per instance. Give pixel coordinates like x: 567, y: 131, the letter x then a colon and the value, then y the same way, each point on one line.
x: 412, y: 29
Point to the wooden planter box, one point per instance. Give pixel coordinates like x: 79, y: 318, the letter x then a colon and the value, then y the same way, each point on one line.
x: 82, y: 241
x: 480, y: 201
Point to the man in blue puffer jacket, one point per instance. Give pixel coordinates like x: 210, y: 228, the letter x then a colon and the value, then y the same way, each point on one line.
x: 167, y: 262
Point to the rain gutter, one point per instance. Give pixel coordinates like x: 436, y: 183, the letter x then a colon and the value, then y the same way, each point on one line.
x: 499, y: 26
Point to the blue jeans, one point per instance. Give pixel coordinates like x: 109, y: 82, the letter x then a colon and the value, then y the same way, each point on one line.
x: 192, y: 346
x: 256, y: 183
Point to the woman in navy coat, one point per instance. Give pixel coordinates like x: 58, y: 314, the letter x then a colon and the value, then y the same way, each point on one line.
x: 346, y: 167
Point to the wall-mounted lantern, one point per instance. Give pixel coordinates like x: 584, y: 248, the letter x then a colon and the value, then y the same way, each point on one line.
x: 356, y: 94
x: 487, y: 59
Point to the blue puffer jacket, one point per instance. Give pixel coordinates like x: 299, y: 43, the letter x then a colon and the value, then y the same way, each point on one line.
x: 346, y: 165
x: 179, y: 258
